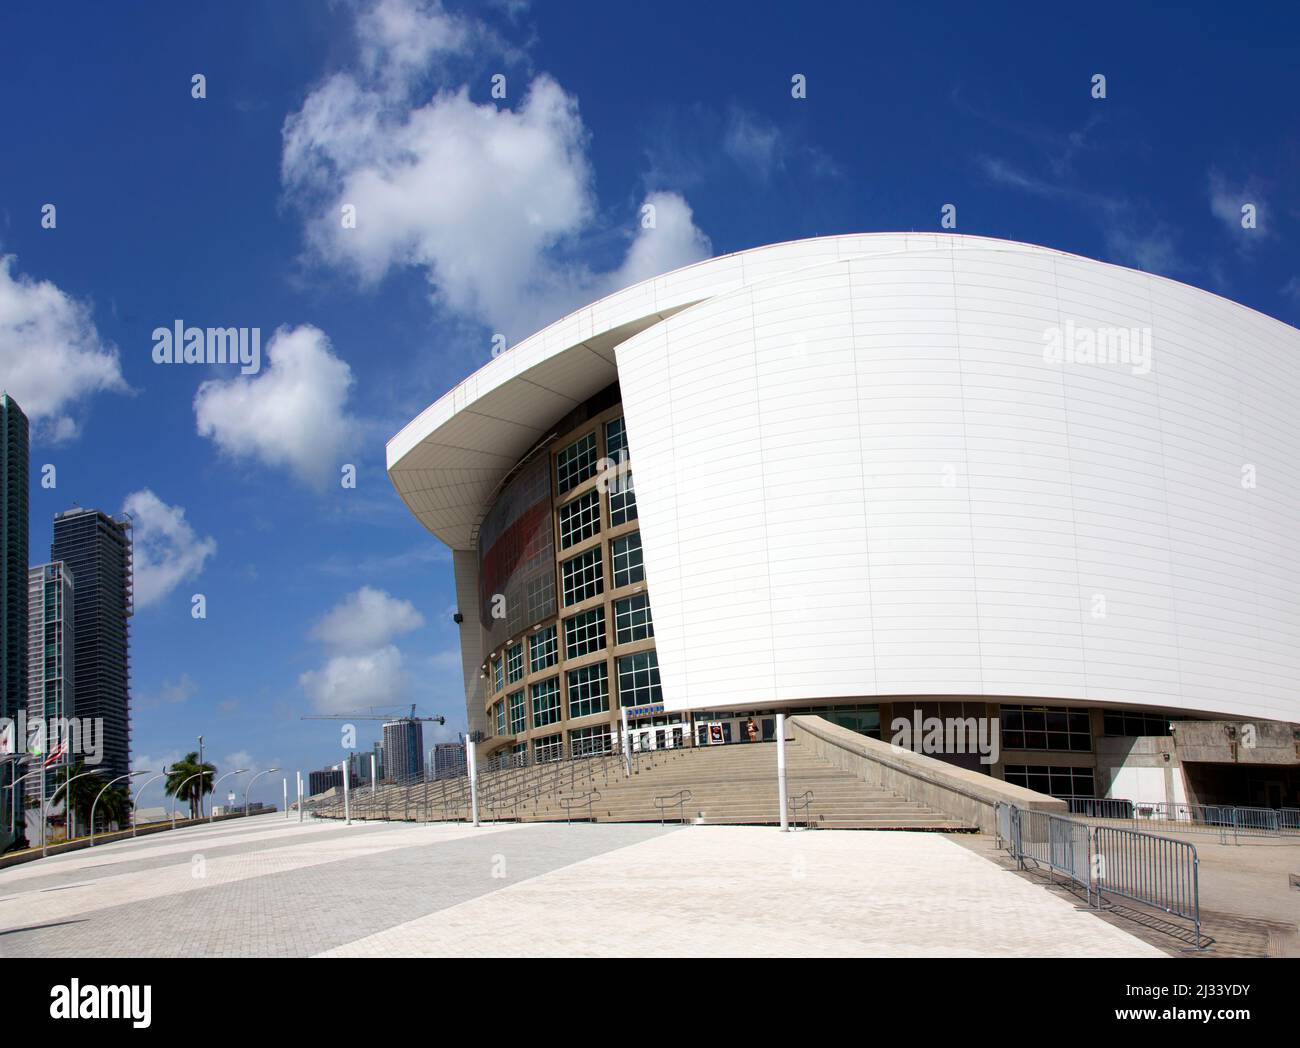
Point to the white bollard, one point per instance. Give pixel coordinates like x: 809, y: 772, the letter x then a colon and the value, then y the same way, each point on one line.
x: 471, y: 763
x: 780, y: 771
x: 627, y: 743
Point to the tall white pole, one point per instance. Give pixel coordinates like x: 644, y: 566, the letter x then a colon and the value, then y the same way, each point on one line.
x: 299, y: 796
x: 285, y: 781
x: 471, y: 762
x: 372, y: 773
x: 347, y: 802
x: 627, y: 742
x: 780, y: 771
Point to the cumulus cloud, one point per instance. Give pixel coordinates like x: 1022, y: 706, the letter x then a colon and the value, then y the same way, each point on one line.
x: 51, y: 355
x: 366, y: 619
x: 364, y: 668
x: 488, y: 200
x: 347, y: 683
x: 293, y: 414
x: 168, y: 551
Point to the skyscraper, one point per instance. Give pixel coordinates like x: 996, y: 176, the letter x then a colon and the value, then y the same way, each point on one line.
x: 96, y: 549
x: 50, y: 687
x: 403, y: 750
x: 13, y: 588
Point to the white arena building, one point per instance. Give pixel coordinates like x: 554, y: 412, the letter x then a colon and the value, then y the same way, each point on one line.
x: 880, y: 473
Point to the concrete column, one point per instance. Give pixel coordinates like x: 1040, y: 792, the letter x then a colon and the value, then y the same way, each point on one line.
x: 780, y: 772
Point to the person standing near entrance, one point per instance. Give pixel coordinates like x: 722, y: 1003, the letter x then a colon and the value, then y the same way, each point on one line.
x: 751, y: 730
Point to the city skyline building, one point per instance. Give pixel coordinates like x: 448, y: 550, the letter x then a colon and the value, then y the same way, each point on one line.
x: 15, y: 450
x: 51, y: 693
x: 403, y: 750
x: 96, y: 548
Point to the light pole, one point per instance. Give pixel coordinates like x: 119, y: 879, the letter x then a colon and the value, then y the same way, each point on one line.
x: 13, y: 797
x: 15, y: 759
x: 780, y: 772
x: 347, y: 805
x: 200, y: 765
x: 140, y: 793
x: 286, y: 796
x: 299, y: 775
x: 250, y: 785
x: 128, y: 775
x: 181, y: 788
x: 45, y: 808
x: 237, y: 771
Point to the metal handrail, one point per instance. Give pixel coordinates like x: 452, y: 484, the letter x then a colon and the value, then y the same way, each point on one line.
x: 668, y: 799
x: 568, y: 804
x: 804, y: 801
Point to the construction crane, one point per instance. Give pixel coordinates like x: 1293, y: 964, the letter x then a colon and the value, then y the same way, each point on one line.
x: 372, y: 715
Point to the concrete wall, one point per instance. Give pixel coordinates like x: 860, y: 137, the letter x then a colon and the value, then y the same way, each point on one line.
x: 1237, y: 742
x: 957, y: 792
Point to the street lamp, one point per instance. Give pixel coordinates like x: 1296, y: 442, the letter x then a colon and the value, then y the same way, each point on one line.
x: 250, y: 785
x: 181, y: 788
x: 140, y: 793
x: 5, y: 758
x: 237, y: 771
x: 45, y: 808
x: 128, y: 775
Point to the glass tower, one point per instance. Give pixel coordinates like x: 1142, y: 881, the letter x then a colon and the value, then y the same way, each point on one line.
x: 14, y: 445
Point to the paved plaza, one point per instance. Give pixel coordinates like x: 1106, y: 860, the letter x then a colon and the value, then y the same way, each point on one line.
x: 266, y: 886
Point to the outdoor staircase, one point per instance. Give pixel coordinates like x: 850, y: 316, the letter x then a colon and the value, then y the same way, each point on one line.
x: 709, y: 785
x: 736, y: 785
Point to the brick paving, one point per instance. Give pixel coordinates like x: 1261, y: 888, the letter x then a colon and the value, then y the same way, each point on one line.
x: 265, y: 887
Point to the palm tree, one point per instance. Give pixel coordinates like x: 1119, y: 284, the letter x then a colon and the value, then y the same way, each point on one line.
x: 78, y: 792
x: 188, y: 768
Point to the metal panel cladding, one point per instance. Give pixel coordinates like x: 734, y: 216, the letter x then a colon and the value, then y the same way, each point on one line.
x: 516, y: 554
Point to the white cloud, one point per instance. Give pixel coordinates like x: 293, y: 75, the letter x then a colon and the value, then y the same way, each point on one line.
x: 365, y: 668
x: 1226, y: 202
x: 293, y: 414
x: 488, y: 200
x: 51, y: 355
x: 365, y: 620
x: 171, y: 691
x: 167, y: 549
x: 155, y: 764
x: 1292, y: 288
x: 348, y: 683
x: 753, y: 143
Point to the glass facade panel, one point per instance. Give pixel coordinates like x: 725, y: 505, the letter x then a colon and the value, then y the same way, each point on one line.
x: 543, y: 649
x: 588, y: 690
x: 638, y: 679
x: 584, y: 634
x: 625, y: 554
x: 632, y: 621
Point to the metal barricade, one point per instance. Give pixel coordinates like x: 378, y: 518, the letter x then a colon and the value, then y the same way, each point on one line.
x: 1158, y: 871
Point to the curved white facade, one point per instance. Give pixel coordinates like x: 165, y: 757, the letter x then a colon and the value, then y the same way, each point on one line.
x: 862, y: 472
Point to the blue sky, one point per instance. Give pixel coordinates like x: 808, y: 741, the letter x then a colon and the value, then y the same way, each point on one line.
x: 479, y: 215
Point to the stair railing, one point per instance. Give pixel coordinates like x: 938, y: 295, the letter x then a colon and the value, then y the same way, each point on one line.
x: 668, y: 800
x: 804, y: 801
